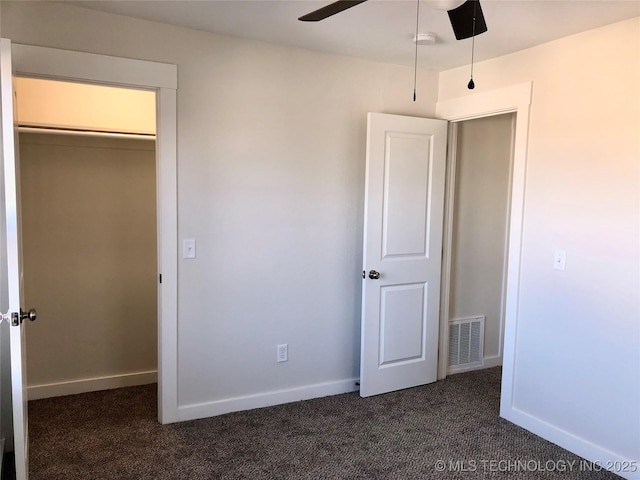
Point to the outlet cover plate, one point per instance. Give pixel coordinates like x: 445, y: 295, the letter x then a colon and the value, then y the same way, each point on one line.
x: 282, y: 353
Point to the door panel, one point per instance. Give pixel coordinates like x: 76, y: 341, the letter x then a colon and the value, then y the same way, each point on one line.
x: 406, y: 164
x: 11, y: 202
x: 404, y: 201
x: 402, y: 323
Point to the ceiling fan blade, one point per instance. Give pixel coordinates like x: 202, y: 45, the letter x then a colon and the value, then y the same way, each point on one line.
x: 331, y: 9
x: 462, y: 20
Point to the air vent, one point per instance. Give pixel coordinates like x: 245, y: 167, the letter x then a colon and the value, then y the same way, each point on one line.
x: 466, y: 339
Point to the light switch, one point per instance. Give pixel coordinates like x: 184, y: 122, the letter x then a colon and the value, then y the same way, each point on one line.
x: 189, y: 248
x: 559, y: 259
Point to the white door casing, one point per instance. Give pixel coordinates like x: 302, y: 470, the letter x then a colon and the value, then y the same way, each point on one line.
x: 516, y: 99
x: 11, y: 200
x: 404, y: 198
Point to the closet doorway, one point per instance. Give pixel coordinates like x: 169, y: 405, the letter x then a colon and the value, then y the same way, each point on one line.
x: 479, y: 185
x: 89, y: 224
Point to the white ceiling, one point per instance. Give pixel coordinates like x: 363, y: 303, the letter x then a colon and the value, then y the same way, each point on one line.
x: 383, y: 30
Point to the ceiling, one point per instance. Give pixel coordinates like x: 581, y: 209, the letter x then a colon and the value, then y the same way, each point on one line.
x: 383, y: 30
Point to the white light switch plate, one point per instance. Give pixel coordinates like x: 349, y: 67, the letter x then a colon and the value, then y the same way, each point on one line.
x: 189, y: 248
x: 559, y: 260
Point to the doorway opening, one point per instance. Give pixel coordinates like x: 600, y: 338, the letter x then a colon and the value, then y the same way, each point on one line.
x: 88, y: 178
x: 515, y: 99
x: 160, y: 78
x: 476, y: 238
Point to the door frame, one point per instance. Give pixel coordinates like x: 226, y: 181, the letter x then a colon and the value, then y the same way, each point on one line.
x: 55, y: 64
x: 515, y: 99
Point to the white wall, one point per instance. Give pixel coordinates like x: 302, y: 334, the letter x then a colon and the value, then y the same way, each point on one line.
x: 577, y: 370
x: 270, y: 184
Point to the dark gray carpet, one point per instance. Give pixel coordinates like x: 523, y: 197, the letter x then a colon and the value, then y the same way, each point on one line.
x: 115, y: 435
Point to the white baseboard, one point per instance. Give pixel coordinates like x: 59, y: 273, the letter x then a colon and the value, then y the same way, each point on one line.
x: 248, y: 402
x: 487, y: 362
x: 579, y: 446
x: 495, y: 361
x: 35, y: 392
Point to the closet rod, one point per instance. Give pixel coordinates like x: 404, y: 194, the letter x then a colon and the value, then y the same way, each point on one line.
x: 93, y: 133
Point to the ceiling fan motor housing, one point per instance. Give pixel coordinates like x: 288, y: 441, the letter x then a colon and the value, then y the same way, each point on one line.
x: 462, y: 20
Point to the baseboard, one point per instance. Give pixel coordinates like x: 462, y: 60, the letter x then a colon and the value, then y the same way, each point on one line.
x: 85, y: 385
x: 248, y: 402
x: 581, y: 447
x: 487, y: 362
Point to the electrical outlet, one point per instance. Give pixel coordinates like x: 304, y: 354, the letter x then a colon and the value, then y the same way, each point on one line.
x: 283, y: 353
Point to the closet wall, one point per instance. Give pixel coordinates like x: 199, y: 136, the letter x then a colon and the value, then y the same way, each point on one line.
x: 89, y: 248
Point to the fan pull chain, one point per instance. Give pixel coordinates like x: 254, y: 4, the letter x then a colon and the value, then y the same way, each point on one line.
x: 415, y: 60
x: 471, y: 85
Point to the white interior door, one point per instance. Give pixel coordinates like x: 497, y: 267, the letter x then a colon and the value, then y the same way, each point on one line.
x: 10, y: 170
x: 404, y: 202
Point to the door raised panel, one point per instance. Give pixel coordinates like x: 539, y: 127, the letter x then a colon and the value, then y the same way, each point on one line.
x: 407, y: 163
x: 402, y: 323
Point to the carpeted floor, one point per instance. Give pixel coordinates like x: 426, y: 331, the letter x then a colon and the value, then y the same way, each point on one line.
x: 402, y: 435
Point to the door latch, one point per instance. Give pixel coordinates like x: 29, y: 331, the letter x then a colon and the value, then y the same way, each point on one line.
x: 18, y: 318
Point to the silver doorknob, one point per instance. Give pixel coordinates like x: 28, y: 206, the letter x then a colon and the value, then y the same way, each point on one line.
x: 30, y: 315
x: 373, y: 275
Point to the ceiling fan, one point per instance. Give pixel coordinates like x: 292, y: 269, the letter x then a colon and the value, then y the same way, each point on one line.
x: 461, y: 15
